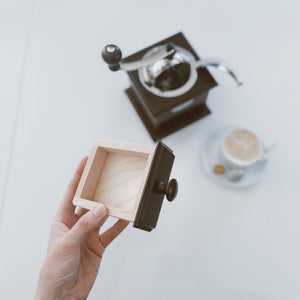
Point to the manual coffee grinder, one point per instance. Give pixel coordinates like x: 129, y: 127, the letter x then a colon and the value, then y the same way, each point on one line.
x: 170, y: 83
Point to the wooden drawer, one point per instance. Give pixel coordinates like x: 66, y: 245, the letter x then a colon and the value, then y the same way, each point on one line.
x: 130, y: 179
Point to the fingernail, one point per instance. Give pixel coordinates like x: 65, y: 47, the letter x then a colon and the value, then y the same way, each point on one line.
x: 99, y: 210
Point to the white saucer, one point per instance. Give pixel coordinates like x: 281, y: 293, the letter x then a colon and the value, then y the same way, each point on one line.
x: 210, y: 154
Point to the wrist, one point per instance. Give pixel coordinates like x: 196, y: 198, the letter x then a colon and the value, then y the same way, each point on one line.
x: 42, y: 295
x: 46, y: 292
x: 48, y: 287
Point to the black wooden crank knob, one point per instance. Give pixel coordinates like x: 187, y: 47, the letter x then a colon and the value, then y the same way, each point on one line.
x: 170, y: 189
x: 112, y: 55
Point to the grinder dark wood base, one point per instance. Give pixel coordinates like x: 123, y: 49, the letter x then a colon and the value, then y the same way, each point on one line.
x: 163, y: 116
x: 165, y: 128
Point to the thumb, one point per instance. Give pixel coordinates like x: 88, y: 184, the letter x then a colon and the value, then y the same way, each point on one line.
x: 93, y: 219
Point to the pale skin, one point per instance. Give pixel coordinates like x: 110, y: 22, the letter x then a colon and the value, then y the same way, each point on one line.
x: 75, y: 248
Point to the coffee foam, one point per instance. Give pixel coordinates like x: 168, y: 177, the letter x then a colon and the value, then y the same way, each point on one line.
x: 242, y: 145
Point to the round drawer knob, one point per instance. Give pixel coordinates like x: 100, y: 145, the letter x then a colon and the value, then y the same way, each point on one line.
x: 170, y: 189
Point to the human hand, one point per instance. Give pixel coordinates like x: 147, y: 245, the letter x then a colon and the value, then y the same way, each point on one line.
x: 75, y: 248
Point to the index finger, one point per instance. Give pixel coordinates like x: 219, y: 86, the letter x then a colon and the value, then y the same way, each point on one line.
x: 110, y: 234
x: 66, y: 203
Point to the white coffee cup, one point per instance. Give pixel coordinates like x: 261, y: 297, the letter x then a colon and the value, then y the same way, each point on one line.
x: 241, y: 149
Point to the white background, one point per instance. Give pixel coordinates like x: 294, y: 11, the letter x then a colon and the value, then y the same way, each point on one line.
x: 57, y: 97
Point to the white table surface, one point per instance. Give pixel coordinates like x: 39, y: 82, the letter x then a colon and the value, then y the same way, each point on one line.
x: 57, y: 97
